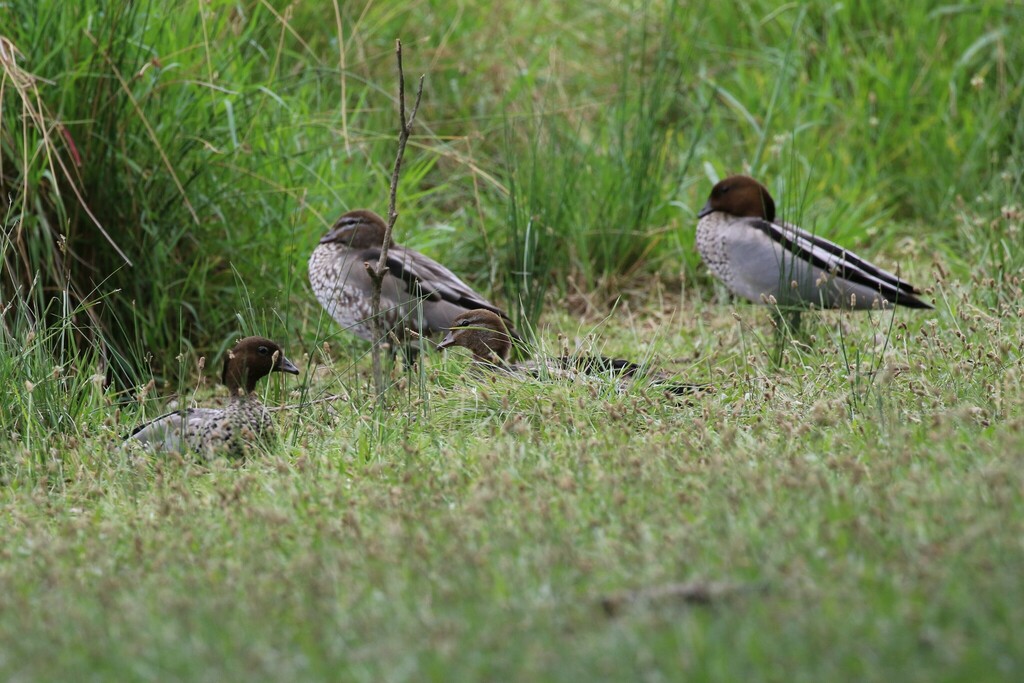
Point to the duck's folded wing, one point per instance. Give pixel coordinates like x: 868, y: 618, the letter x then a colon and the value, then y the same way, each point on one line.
x: 428, y: 279
x: 169, y: 432
x: 832, y: 258
x: 619, y: 367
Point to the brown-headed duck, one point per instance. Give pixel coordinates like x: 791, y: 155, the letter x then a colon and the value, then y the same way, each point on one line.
x: 417, y: 294
x: 485, y: 335
x: 235, y: 427
x: 770, y: 261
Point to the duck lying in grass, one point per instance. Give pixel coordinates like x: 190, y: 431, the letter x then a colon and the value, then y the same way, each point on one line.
x: 487, y: 338
x: 229, y: 430
x: 417, y: 294
x: 769, y: 261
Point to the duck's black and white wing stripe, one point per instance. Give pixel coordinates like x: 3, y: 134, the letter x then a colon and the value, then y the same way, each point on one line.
x: 834, y: 259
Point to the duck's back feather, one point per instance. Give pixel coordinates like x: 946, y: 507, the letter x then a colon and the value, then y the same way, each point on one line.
x: 427, y: 279
x: 174, y: 431
x: 804, y: 258
x: 830, y: 257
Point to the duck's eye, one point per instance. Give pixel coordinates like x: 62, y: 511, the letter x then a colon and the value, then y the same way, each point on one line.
x: 263, y: 350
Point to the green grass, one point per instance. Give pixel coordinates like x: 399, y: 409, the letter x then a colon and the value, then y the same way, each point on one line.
x: 872, y: 523
x: 858, y: 488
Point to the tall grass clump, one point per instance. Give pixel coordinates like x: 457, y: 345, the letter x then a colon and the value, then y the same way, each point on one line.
x: 156, y: 152
x: 990, y: 226
x: 905, y: 105
x: 586, y: 198
x: 53, y: 383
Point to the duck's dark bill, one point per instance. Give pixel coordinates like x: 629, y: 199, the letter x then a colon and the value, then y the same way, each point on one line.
x: 449, y: 340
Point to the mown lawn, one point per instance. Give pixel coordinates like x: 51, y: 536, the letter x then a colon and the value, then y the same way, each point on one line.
x: 847, y: 504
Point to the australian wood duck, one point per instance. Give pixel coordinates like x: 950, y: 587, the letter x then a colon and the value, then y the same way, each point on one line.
x: 486, y: 337
x: 770, y: 261
x: 418, y: 293
x: 229, y: 430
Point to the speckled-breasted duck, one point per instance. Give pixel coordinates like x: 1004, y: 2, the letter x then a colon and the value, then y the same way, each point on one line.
x: 417, y: 294
x: 770, y: 261
x: 486, y: 337
x: 229, y: 430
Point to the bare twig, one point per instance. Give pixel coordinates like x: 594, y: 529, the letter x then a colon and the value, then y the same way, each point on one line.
x: 377, y: 273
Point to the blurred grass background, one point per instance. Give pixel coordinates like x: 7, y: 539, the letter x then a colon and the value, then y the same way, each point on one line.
x: 208, y: 145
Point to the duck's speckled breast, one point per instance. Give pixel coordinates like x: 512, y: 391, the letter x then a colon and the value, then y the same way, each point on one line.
x: 240, y: 425
x: 340, y: 288
x: 711, y: 237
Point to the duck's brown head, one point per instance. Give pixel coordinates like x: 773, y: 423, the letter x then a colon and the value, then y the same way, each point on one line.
x: 482, y: 332
x: 740, y: 195
x: 252, y: 359
x: 360, y: 229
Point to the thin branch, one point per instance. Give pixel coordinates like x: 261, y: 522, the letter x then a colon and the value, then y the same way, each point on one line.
x: 377, y: 273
